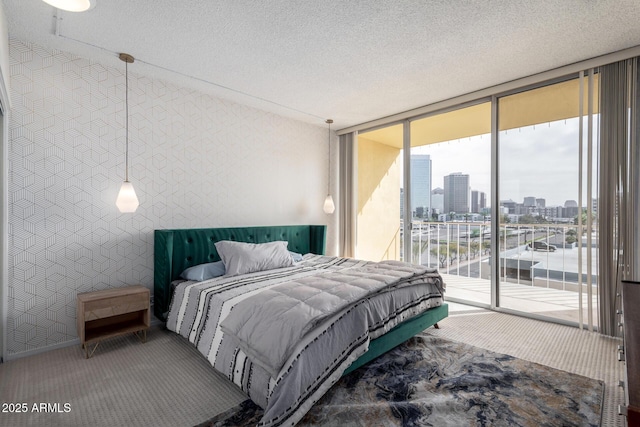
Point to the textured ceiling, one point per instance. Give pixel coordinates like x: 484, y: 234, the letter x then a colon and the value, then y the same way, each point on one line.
x: 353, y: 61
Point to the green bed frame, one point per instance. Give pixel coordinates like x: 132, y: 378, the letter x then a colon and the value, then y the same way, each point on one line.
x: 400, y: 334
x: 176, y: 250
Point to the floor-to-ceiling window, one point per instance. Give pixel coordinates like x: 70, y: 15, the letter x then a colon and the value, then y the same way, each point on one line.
x: 426, y: 195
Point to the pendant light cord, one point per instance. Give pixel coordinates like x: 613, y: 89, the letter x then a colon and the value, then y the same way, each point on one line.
x: 329, y: 121
x: 126, y: 97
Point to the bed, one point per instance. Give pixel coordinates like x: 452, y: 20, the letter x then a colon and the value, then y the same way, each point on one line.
x: 293, y: 386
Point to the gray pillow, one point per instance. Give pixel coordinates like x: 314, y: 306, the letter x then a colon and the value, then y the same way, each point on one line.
x: 242, y: 258
x: 202, y: 272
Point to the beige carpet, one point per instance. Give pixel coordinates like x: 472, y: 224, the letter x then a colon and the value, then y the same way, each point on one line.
x: 163, y: 382
x: 166, y: 382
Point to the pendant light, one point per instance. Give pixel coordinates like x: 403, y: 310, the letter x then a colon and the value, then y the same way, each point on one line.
x: 127, y: 200
x: 72, y: 5
x: 329, y: 206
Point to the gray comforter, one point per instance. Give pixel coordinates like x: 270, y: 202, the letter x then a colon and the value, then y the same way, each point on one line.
x: 296, y: 307
x: 317, y: 348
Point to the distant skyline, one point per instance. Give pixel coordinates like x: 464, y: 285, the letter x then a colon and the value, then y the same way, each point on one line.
x: 536, y: 161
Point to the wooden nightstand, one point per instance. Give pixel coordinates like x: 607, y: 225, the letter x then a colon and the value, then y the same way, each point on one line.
x: 112, y: 312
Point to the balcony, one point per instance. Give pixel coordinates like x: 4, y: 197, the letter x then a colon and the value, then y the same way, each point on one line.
x: 543, y: 269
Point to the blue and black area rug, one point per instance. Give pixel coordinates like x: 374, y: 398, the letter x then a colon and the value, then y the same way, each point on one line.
x: 430, y: 381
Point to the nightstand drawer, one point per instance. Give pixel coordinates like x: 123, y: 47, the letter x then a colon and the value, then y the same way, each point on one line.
x: 115, y: 306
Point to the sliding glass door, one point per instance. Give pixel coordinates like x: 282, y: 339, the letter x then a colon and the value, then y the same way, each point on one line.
x: 546, y: 266
x: 450, y: 186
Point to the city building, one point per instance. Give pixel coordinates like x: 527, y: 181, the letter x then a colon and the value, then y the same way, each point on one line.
x: 456, y: 193
x: 509, y: 205
x: 420, y: 184
x: 437, y: 200
x: 478, y: 201
x: 570, y: 209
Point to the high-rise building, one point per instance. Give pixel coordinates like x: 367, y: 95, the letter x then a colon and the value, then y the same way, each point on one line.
x: 421, y: 183
x: 570, y: 209
x: 478, y: 201
x: 510, y: 205
x: 456, y: 193
x: 530, y: 201
x: 541, y: 203
x: 437, y: 200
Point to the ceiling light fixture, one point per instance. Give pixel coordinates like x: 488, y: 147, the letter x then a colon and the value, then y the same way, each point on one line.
x: 72, y: 5
x: 127, y: 200
x: 329, y: 206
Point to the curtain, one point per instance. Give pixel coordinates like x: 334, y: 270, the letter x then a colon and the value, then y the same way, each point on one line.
x: 633, y: 207
x: 347, y: 213
x: 618, y: 189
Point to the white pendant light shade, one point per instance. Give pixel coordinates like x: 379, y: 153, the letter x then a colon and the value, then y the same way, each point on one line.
x: 127, y: 201
x: 72, y: 5
x: 329, y: 206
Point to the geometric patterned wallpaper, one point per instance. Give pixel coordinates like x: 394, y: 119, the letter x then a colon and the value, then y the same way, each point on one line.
x: 195, y: 161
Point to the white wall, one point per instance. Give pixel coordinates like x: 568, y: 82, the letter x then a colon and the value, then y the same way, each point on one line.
x: 4, y: 101
x: 4, y: 57
x: 195, y: 161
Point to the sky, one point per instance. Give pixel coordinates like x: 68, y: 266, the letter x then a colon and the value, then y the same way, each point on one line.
x: 539, y: 161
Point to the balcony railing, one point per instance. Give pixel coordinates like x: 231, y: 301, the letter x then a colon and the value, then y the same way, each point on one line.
x: 540, y: 256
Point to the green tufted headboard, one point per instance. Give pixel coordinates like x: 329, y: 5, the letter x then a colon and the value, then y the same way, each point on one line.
x: 176, y: 250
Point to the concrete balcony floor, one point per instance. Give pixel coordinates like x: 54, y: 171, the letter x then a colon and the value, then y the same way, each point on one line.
x: 553, y: 303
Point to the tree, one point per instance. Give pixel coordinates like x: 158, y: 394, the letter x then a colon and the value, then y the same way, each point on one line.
x: 474, y: 248
x: 486, y: 247
x: 541, y: 220
x: 594, y: 218
x: 504, y: 219
x: 526, y: 219
x: 462, y: 252
x: 442, y: 254
x: 571, y: 236
x: 417, y: 248
x: 453, y: 252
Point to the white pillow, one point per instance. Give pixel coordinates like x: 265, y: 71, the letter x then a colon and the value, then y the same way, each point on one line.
x: 241, y: 258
